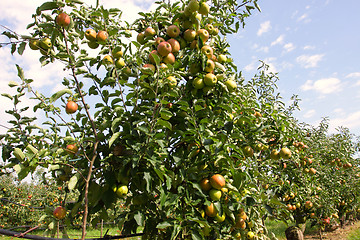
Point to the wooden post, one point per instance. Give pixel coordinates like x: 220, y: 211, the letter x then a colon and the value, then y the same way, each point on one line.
x: 101, y: 231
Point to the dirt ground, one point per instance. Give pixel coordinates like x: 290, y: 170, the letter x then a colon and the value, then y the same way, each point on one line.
x: 338, y: 234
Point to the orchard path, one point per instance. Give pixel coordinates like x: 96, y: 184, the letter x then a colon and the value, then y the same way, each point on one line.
x: 338, y: 234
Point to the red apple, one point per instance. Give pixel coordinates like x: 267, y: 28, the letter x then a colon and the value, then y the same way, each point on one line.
x: 159, y: 40
x: 189, y: 35
x: 59, y: 212
x: 72, y: 148
x: 150, y: 32
x: 71, y: 107
x: 208, y: 51
x: 151, y: 56
x: 175, y: 45
x: 164, y: 49
x: 173, y: 31
x: 148, y: 69
x: 141, y: 38
x: 169, y: 59
x: 63, y: 20
x: 101, y: 36
x: 203, y: 34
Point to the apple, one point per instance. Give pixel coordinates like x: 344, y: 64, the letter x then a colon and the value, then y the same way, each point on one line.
x: 210, y: 210
x: 250, y: 235
x: 219, y: 218
x: 117, y: 52
x: 169, y: 59
x: 108, y: 60
x: 204, y: 8
x: 140, y: 38
x: 59, y: 213
x: 189, y: 35
x: 231, y: 85
x: 163, y: 66
x: 101, y: 36
x: 308, y: 204
x: 198, y: 83
x: 175, y: 45
x: 164, y: 49
x: 208, y: 51
x: 222, y: 58
x: 120, y: 63
x: 215, y: 32
x: 173, y: 31
x: 209, y: 66
x: 150, y: 32
x: 122, y: 191
x: 312, y: 171
x: 275, y: 155
x: 217, y: 181
x: 240, y: 223
x: 285, y: 153
x: 205, y: 184
x: 148, y: 69
x: 159, y: 40
x: 210, y: 79
x: 193, y: 6
x: 72, y: 148
x: 34, y: 44
x: 71, y: 107
x: 203, y: 34
x: 172, y: 82
x: 215, y: 194
x: 90, y: 34
x: 248, y: 151
x: 63, y: 20
x: 151, y: 56
x: 45, y: 43
x: 93, y: 44
x: 209, y: 27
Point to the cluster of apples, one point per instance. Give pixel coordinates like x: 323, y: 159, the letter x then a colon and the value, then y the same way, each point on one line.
x: 95, y: 38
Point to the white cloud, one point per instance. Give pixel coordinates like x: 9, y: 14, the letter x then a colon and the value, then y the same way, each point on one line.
x: 279, y: 40
x: 309, y: 113
x: 323, y: 86
x: 264, y: 27
x: 309, y: 61
x: 353, y: 75
x: 304, y: 18
x: 271, y: 63
x: 289, y: 47
x: 309, y: 47
x: 351, y: 120
x: 251, y: 66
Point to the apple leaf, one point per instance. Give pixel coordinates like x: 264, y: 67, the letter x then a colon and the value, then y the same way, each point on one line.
x: 114, y: 137
x: 19, y: 154
x: 163, y: 225
x: 164, y: 123
x: 60, y: 93
x: 139, y: 218
x: 13, y: 84
x: 73, y: 181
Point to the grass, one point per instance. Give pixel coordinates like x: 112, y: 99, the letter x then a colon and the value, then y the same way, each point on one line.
x: 354, y: 235
x: 276, y: 227
x: 76, y: 233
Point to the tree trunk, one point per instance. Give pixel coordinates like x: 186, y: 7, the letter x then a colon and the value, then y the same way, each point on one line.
x: 294, y: 233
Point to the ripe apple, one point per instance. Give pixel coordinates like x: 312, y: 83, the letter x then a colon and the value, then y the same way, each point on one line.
x: 198, y: 83
x: 72, y: 148
x: 173, y: 31
x: 210, y: 79
x: 59, y: 213
x: 190, y: 35
x: 101, y: 36
x: 159, y: 40
x: 193, y: 6
x: 148, y: 69
x: 312, y: 171
x: 45, y: 43
x: 285, y: 153
x: 90, y: 34
x: 175, y: 45
x: 231, y: 85
x: 275, y: 155
x: 34, y: 44
x: 209, y: 66
x: 248, y: 151
x: 219, y: 218
x: 164, y: 49
x: 208, y: 51
x: 210, y: 210
x: 93, y: 44
x: 120, y: 63
x: 172, y: 82
x: 215, y: 194
x: 308, y: 204
x: 203, y: 34
x: 240, y: 223
x: 222, y: 58
x: 250, y: 235
x: 169, y: 59
x: 141, y: 38
x: 151, y: 56
x: 117, y: 52
x: 71, y: 107
x: 122, y: 191
x: 63, y: 20
x: 217, y: 181
x: 108, y: 60
x: 150, y: 32
x: 163, y: 66
x: 205, y: 184
x: 204, y: 8
x: 209, y: 27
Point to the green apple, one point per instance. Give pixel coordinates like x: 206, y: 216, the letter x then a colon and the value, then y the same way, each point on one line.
x: 215, y: 194
x: 209, y: 27
x: 107, y: 60
x: 141, y: 38
x: 219, y: 218
x: 222, y: 58
x: 231, y: 85
x: 93, y: 44
x: 285, y: 153
x: 34, y: 44
x: 189, y: 35
x: 210, y: 79
x: 120, y: 63
x: 204, y: 8
x: 274, y: 155
x: 208, y: 51
x: 198, y: 83
x: 193, y: 6
x: 148, y: 69
x: 90, y: 34
x: 172, y: 82
x: 122, y: 191
x: 45, y: 43
x: 117, y: 52
x: 209, y: 66
x: 149, y: 32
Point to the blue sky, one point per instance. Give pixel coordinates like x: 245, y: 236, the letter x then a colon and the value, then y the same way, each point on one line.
x: 312, y: 44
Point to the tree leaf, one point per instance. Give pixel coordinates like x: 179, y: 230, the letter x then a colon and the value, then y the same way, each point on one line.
x: 139, y: 218
x: 18, y: 153
x: 114, y: 137
x: 73, y: 181
x: 59, y: 94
